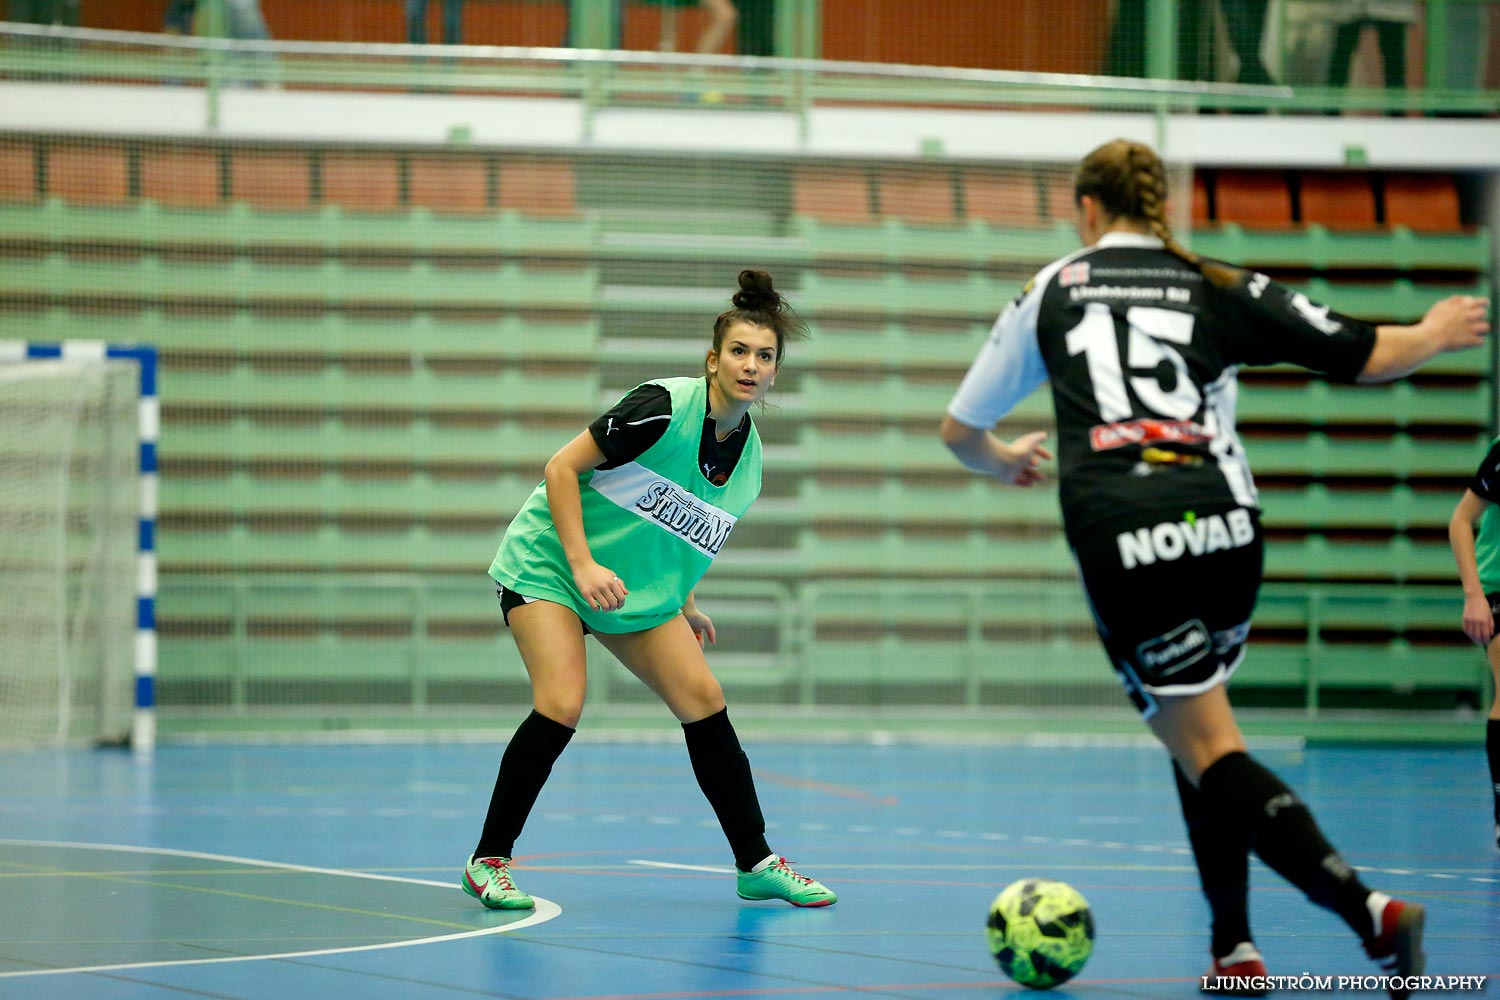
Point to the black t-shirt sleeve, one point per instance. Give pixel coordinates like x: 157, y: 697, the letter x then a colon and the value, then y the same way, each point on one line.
x: 1265, y: 323
x: 632, y: 425
x: 1486, y: 481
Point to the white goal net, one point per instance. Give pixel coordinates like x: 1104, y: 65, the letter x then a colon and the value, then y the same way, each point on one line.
x: 69, y: 516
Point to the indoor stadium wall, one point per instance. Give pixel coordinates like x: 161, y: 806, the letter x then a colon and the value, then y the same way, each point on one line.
x: 369, y: 349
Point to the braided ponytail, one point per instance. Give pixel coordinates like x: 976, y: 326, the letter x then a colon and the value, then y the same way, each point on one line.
x: 1129, y: 181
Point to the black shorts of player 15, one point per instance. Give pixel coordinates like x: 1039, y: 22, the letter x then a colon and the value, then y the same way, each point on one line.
x: 1172, y: 596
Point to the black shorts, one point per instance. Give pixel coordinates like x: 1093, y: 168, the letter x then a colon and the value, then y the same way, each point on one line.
x: 510, y: 600
x: 1172, y: 598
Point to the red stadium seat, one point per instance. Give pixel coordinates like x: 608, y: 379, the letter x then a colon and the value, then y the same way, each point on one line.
x: 1004, y: 197
x: 182, y: 176
x: 362, y: 182
x: 921, y: 194
x: 456, y: 183
x: 1338, y: 200
x: 1428, y: 202
x: 1254, y: 199
x: 1057, y: 189
x: 17, y: 171
x: 1202, y: 214
x: 271, y: 179
x: 832, y: 194
x: 538, y: 185
x: 89, y: 173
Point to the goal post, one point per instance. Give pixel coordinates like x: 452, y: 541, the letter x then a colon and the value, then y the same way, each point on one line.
x: 78, y: 428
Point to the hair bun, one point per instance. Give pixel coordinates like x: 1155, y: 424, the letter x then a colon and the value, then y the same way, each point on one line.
x: 757, y: 293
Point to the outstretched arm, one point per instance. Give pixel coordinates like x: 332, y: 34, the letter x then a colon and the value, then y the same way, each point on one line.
x: 1453, y: 324
x: 1016, y: 462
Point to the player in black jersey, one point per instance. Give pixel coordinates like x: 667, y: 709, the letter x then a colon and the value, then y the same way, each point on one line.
x: 1140, y: 340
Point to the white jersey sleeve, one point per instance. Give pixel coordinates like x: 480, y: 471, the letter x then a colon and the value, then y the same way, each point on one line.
x: 1009, y: 366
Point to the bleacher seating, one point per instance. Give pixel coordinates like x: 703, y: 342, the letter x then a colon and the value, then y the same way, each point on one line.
x: 368, y: 354
x: 1344, y: 200
x: 1003, y: 197
x: 922, y: 194
x: 271, y: 179
x: 359, y: 181
x: 88, y: 173
x: 1254, y: 199
x: 450, y: 183
x: 1424, y: 202
x: 538, y: 186
x: 18, y: 173
x: 1202, y: 210
x: 181, y: 176
x: 832, y: 194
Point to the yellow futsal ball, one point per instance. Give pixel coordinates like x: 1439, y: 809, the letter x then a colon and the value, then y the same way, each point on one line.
x: 1041, y: 932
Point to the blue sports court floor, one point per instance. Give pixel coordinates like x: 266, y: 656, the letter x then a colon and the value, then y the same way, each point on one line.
x: 310, y: 873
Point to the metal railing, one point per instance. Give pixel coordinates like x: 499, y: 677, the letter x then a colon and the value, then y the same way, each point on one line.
x: 606, y: 77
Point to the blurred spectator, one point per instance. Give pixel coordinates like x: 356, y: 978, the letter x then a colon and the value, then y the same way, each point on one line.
x: 722, y: 16
x: 244, y: 19
x: 1197, y: 35
x: 178, y: 20
x: 1389, y: 18
x: 574, y: 41
x: 757, y: 34
x: 64, y: 12
x: 1126, y: 52
x: 453, y: 22
x: 1469, y: 27
x: 1245, y: 22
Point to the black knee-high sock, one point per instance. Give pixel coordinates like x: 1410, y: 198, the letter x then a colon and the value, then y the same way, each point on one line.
x: 1222, y: 852
x: 1492, y: 748
x: 1285, y: 836
x: 723, y: 772
x: 524, y: 768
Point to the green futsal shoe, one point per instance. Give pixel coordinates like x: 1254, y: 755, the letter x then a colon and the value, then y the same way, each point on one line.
x: 488, y: 880
x: 778, y: 881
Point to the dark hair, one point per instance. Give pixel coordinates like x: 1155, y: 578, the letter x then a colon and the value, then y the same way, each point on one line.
x: 1129, y: 181
x: 760, y: 304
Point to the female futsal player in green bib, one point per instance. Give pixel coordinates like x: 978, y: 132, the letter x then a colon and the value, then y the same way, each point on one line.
x: 630, y: 515
x: 1478, y: 555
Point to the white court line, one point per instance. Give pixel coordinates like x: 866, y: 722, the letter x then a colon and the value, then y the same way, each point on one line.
x: 686, y: 868
x: 545, y: 909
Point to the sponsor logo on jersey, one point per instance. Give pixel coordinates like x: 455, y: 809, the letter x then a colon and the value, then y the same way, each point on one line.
x: 1316, y: 316
x: 1229, y: 638
x: 1131, y: 293
x: 1074, y: 274
x: 1159, y: 457
x: 1103, y: 437
x: 685, y: 516
x: 1173, y: 651
x: 1193, y: 536
x: 654, y: 498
